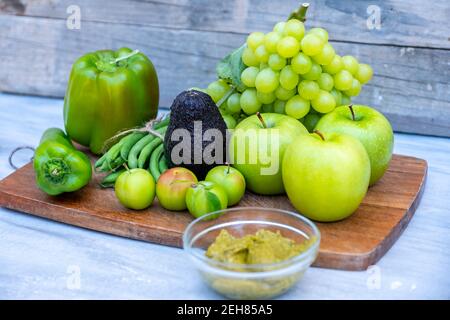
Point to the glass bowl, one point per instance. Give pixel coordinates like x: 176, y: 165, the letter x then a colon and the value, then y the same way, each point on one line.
x: 251, y: 281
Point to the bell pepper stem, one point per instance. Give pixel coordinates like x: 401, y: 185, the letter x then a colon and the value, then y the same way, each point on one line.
x: 133, y: 53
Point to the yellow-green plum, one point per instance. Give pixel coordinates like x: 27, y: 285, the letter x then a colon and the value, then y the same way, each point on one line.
x: 172, y: 186
x: 257, y: 146
x: 205, y: 197
x: 326, y: 175
x: 367, y: 125
x: 231, y: 180
x: 135, y: 189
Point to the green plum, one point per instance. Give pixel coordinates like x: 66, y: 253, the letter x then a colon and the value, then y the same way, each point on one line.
x: 231, y: 180
x: 135, y: 189
x: 205, y: 197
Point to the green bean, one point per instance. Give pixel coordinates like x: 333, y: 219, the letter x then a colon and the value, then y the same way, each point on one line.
x: 137, y: 148
x: 110, y: 179
x: 154, y: 159
x: 163, y: 165
x: 129, y: 142
x: 144, y: 156
x: 100, y: 161
x: 163, y: 123
x: 113, y: 153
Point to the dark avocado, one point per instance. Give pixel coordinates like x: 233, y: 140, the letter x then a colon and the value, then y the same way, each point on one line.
x: 189, y: 107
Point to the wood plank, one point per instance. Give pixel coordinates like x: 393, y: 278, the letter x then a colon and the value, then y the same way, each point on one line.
x: 410, y: 85
x: 403, y: 22
x: 352, y: 244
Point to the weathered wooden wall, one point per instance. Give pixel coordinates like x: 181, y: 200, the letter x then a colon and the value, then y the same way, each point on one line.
x: 410, y: 53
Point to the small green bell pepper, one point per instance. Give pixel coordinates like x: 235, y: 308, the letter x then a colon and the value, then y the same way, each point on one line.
x: 58, y: 165
x: 109, y: 91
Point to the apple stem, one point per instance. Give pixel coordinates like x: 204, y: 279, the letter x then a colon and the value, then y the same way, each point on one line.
x: 320, y: 134
x: 258, y: 114
x: 126, y: 167
x: 228, y: 165
x: 352, y: 111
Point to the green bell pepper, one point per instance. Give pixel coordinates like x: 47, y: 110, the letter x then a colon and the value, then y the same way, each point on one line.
x: 58, y: 165
x: 109, y: 91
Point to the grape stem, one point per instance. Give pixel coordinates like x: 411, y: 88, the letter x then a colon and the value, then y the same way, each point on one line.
x: 300, y: 13
x: 258, y: 114
x: 352, y: 112
x: 226, y: 96
x: 320, y: 134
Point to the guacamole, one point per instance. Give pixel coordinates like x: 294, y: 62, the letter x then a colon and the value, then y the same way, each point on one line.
x: 263, y: 247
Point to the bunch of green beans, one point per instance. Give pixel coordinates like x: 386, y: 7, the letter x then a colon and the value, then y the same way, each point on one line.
x: 136, y: 150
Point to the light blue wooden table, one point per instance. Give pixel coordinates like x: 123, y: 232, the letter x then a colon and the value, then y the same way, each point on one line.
x: 42, y: 259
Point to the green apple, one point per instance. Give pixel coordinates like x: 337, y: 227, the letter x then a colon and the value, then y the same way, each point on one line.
x: 172, y: 186
x: 326, y: 175
x: 257, y: 146
x: 367, y: 125
x: 205, y: 197
x: 231, y: 180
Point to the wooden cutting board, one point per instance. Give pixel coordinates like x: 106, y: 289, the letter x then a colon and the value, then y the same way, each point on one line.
x: 352, y: 244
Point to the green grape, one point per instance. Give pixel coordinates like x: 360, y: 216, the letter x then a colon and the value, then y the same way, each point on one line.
x: 249, y: 58
x: 279, y: 106
x: 267, y: 108
x: 217, y: 89
x: 248, y: 76
x: 308, y: 89
x: 276, y: 62
x: 337, y: 96
x: 263, y: 65
x: 266, y: 81
x: 301, y: 63
x: 223, y: 109
x: 313, y: 73
x: 279, y: 27
x: 288, y: 78
x: 266, y: 98
x: 310, y: 121
x: 312, y: 44
x: 334, y: 66
x: 321, y: 32
x: 233, y: 103
x: 324, y: 102
x: 364, y: 73
x: 297, y: 107
x: 262, y: 54
x: 229, y: 121
x: 288, y: 47
x: 284, y: 94
x: 271, y: 40
x: 343, y: 80
x: 249, y: 101
x: 355, y: 89
x: 345, y: 100
x: 350, y: 64
x: 295, y: 28
x: 326, y: 55
x: 325, y: 81
x: 255, y: 39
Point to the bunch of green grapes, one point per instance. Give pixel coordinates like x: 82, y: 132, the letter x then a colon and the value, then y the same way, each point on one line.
x: 293, y: 71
